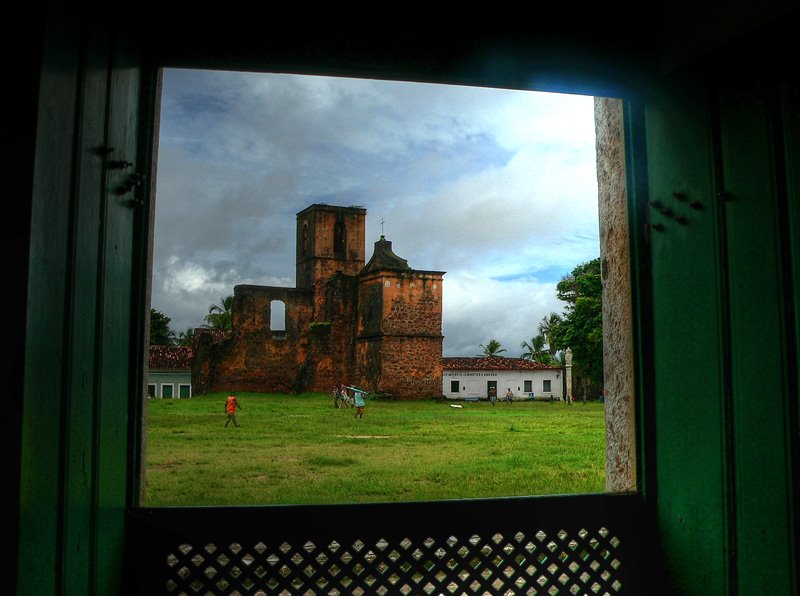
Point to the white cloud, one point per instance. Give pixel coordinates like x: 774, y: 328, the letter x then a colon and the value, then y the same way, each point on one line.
x: 497, y: 188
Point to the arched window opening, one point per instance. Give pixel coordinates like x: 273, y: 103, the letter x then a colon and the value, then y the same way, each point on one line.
x: 305, y: 239
x: 277, y: 315
x: 339, y: 239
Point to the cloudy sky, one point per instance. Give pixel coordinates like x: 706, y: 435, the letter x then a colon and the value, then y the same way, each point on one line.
x: 496, y: 188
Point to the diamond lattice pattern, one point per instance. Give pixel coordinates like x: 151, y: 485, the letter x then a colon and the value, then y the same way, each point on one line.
x: 569, y: 563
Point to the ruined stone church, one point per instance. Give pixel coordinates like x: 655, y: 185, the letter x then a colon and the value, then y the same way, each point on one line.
x: 376, y: 325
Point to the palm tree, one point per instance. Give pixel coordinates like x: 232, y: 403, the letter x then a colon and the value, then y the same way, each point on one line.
x: 219, y: 315
x: 536, y: 351
x: 546, y: 327
x: 186, y: 338
x: 493, y: 348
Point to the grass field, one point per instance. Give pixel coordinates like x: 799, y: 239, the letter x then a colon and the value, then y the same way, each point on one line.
x: 299, y: 449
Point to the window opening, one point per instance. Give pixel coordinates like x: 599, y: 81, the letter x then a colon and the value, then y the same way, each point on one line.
x: 277, y: 316
x: 506, y: 210
x: 339, y: 239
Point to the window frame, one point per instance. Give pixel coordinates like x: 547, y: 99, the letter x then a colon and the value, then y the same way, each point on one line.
x: 630, y: 436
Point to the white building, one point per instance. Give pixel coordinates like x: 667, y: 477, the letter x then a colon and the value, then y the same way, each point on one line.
x: 474, y: 378
x: 169, y: 372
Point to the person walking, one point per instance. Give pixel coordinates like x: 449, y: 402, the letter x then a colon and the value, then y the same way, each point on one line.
x: 344, y: 396
x: 337, y: 400
x: 493, y: 395
x: 509, y: 396
x: 231, y: 405
x: 361, y: 405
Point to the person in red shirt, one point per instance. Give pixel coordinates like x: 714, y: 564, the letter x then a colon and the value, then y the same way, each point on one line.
x: 231, y: 405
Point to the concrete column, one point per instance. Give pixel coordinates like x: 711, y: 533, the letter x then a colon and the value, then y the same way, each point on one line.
x: 568, y: 373
x: 615, y: 264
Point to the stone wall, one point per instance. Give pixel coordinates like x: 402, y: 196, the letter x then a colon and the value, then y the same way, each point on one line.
x: 380, y: 330
x: 330, y: 353
x: 412, y: 367
x: 256, y: 358
x: 399, y: 333
x: 413, y: 304
x: 317, y: 256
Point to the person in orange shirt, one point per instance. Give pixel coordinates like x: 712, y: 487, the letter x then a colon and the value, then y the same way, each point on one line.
x: 231, y: 405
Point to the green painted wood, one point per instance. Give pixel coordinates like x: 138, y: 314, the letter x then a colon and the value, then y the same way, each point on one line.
x: 116, y: 386
x: 759, y: 367
x: 790, y: 103
x: 641, y: 290
x: 39, y: 542
x: 81, y: 397
x: 688, y: 351
x: 78, y: 377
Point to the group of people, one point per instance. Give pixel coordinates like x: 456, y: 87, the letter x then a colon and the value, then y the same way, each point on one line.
x: 342, y: 397
x: 493, y: 395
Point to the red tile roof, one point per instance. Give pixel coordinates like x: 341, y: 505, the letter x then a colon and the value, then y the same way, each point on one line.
x: 170, y: 358
x: 216, y: 335
x: 493, y: 363
x: 179, y: 357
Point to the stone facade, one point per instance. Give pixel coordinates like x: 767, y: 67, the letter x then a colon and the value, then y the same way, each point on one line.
x: 377, y: 325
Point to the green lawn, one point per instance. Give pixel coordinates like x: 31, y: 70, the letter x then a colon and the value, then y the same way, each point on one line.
x: 298, y: 449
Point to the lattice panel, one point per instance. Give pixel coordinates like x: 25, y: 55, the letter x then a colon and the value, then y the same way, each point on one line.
x: 568, y: 563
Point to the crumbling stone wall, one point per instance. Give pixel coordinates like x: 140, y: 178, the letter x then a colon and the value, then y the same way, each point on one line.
x: 330, y: 353
x: 399, y: 341
x: 377, y: 327
x: 318, y: 258
x: 256, y: 358
x: 412, y: 366
x: 413, y: 304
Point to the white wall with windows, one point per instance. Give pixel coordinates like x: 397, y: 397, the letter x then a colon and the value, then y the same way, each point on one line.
x: 169, y: 385
x: 524, y: 384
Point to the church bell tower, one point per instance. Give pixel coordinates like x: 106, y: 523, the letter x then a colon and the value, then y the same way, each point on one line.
x: 330, y: 240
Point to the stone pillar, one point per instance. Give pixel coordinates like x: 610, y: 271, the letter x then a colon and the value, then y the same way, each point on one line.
x: 568, y: 373
x: 615, y: 262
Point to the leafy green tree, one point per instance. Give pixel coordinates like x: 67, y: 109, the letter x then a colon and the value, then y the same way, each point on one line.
x: 160, y: 333
x: 219, y: 315
x: 536, y: 351
x: 581, y: 327
x: 583, y: 282
x: 492, y: 348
